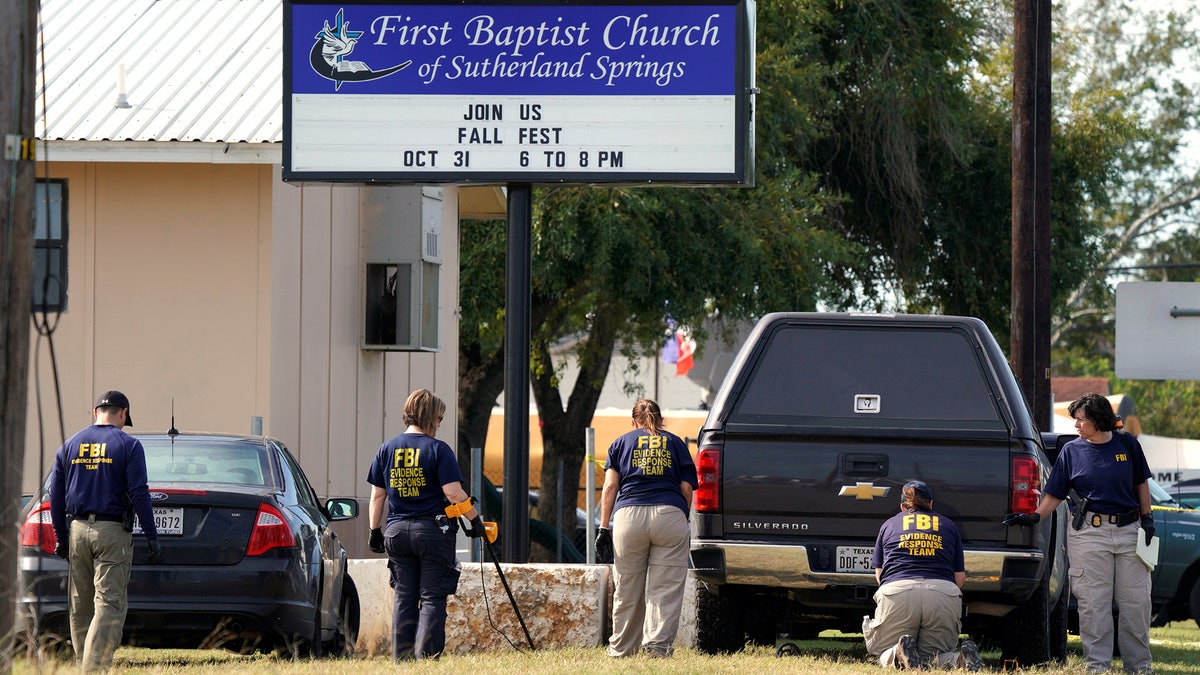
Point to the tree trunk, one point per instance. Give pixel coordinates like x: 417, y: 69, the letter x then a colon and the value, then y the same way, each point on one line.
x: 563, y: 429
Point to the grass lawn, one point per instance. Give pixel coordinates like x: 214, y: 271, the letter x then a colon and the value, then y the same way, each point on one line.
x: 1176, y: 649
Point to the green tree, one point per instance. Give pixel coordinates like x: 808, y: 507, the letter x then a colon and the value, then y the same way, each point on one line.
x: 951, y: 252
x: 1128, y: 64
x: 1120, y: 75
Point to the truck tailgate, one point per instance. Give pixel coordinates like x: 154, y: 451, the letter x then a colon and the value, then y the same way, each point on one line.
x: 844, y: 488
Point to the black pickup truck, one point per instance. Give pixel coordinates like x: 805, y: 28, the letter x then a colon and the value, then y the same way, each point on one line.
x: 820, y: 422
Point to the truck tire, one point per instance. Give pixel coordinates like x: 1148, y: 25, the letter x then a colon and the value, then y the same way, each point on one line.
x: 720, y: 622
x: 1026, y: 629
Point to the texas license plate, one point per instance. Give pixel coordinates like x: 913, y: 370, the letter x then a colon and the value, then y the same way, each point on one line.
x: 167, y: 520
x: 855, y: 559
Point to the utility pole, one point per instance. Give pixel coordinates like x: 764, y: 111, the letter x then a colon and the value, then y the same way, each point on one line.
x: 1030, y: 341
x: 18, y: 59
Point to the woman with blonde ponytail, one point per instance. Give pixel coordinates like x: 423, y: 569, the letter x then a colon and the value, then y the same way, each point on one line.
x: 648, y: 481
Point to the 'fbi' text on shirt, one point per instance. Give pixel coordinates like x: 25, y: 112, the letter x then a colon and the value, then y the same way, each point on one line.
x: 405, y: 476
x: 652, y: 455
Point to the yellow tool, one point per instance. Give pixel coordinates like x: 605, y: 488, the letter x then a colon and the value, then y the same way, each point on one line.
x: 490, y: 530
x: 456, y: 510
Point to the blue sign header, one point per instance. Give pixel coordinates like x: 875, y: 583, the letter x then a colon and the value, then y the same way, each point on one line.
x: 564, y: 50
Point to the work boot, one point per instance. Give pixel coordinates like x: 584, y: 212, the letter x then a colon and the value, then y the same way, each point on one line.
x: 970, y: 656
x: 907, y: 655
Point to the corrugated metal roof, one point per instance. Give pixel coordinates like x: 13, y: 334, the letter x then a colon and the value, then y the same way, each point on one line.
x: 194, y: 70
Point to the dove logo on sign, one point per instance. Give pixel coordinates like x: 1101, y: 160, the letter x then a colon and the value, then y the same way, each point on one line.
x: 332, y: 45
x: 866, y: 404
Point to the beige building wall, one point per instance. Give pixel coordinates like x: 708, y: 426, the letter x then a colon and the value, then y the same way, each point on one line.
x: 335, y: 403
x: 232, y: 295
x: 168, y: 300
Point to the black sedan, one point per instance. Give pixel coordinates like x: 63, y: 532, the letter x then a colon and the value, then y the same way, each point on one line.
x: 249, y: 562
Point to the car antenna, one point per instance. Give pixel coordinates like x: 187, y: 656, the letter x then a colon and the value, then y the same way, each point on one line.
x: 172, y: 431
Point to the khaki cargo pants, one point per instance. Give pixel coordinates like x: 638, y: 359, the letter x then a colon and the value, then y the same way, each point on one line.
x: 101, y: 554
x: 650, y: 558
x: 1105, y: 567
x: 930, y: 610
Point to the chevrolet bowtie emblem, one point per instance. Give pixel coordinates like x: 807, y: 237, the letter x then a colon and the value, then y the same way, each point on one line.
x: 863, y: 491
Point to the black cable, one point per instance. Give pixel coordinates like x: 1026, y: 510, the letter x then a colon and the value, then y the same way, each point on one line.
x: 1155, y: 266
x: 488, y: 608
x: 511, y: 599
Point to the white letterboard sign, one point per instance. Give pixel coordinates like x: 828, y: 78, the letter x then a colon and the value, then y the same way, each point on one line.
x: 538, y: 93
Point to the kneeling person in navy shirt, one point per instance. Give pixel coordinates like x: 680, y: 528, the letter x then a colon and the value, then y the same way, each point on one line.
x: 918, y: 563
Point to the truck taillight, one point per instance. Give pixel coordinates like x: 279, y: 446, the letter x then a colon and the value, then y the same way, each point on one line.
x: 1026, y: 484
x: 708, y: 474
x: 38, y: 529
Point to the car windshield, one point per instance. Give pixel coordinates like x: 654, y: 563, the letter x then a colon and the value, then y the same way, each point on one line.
x: 209, y: 460
x: 1161, y: 497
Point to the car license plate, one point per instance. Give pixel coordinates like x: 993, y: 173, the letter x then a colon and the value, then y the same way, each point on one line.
x: 855, y: 559
x: 167, y: 520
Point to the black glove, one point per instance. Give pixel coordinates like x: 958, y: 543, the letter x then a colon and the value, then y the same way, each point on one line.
x: 604, y: 546
x: 1147, y: 524
x: 476, y: 530
x: 375, y: 542
x: 62, y: 550
x: 1025, y: 519
x: 155, y: 553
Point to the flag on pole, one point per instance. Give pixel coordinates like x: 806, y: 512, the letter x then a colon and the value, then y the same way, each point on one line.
x: 670, y: 350
x: 678, y: 350
x: 687, y: 347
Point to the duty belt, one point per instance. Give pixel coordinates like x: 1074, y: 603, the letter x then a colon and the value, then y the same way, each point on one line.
x: 1118, y: 519
x: 93, y: 517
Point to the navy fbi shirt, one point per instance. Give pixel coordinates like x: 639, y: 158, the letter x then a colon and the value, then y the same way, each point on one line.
x: 91, y: 472
x: 1105, y: 474
x: 918, y: 545
x: 652, y: 466
x: 412, y: 468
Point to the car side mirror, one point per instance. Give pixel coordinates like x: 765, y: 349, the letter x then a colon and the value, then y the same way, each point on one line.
x: 341, y: 508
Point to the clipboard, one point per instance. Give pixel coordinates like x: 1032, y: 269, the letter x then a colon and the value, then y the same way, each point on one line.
x: 1147, y: 553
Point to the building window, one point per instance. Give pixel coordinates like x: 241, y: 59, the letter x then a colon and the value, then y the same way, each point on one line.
x: 50, y: 246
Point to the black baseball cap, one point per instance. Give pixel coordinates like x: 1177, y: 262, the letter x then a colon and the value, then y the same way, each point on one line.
x: 118, y: 400
x: 919, y: 487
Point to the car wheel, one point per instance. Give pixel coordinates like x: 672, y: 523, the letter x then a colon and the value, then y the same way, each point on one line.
x: 345, y: 636
x: 720, y: 622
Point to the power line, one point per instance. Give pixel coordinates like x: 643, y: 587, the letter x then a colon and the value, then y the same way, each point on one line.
x: 1157, y: 266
